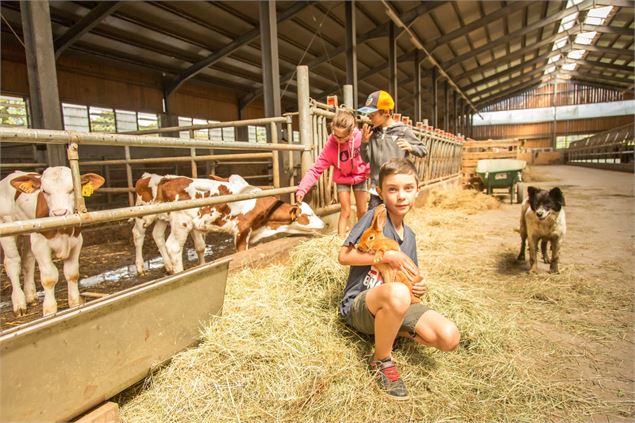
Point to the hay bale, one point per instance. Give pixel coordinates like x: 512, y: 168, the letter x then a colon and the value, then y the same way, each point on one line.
x: 280, y: 353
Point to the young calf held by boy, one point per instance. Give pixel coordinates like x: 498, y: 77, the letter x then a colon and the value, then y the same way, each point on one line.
x: 542, y: 218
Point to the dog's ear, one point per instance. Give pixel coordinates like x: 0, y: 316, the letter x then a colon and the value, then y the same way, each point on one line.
x: 532, y: 193
x: 557, y: 196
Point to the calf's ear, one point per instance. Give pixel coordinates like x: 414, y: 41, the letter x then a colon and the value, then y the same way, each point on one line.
x: 557, y: 196
x: 27, y: 183
x: 95, y: 180
x: 295, y: 212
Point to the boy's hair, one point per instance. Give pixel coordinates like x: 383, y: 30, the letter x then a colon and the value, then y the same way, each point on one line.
x: 343, y: 119
x: 397, y: 167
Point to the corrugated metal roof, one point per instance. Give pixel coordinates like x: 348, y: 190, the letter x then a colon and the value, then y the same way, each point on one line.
x: 490, y: 49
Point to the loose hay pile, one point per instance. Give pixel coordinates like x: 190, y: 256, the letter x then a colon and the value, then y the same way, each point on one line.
x: 469, y: 201
x: 280, y: 352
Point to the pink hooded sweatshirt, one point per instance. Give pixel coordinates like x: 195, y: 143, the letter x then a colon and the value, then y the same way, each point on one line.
x: 350, y: 169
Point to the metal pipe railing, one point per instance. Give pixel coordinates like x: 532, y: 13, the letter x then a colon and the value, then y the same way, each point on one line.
x: 90, y: 218
x: 43, y: 136
x: 215, y: 125
x: 218, y: 157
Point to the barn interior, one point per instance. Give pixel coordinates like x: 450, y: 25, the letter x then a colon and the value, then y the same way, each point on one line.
x: 225, y: 85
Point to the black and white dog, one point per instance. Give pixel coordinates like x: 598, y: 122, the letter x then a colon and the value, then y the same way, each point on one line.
x: 542, y: 219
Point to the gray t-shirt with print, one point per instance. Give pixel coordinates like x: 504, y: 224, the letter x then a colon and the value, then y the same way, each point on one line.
x: 360, y: 278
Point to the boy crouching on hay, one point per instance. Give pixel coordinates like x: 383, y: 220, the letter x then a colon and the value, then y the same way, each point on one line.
x: 384, y: 309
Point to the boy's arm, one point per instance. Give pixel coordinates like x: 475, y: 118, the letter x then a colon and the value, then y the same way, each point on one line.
x: 351, y: 256
x: 364, y: 151
x: 418, y: 148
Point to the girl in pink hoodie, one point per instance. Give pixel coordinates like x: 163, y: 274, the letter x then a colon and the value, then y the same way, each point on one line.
x: 342, y: 152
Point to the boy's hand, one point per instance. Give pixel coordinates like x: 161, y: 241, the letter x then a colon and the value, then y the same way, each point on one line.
x: 404, y: 145
x: 399, y: 260
x: 366, y: 131
x: 419, y: 289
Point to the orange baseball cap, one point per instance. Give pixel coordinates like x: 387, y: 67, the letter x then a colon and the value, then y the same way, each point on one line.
x: 379, y: 100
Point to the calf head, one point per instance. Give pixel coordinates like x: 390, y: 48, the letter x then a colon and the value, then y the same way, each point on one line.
x: 545, y: 203
x: 288, y: 219
x: 55, y: 185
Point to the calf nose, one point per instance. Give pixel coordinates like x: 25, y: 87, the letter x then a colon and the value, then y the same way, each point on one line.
x: 59, y: 212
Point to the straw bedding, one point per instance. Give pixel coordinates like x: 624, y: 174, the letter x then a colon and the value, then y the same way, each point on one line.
x: 280, y: 352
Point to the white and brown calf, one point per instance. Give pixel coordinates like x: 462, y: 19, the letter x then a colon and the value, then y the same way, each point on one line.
x: 248, y: 220
x: 29, y: 196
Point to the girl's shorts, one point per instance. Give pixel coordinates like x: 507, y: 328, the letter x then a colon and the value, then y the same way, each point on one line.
x: 361, y: 319
x: 362, y: 186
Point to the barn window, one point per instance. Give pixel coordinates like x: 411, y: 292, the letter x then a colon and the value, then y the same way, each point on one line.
x: 147, y: 121
x: 215, y: 134
x: 200, y: 134
x: 126, y: 120
x: 229, y: 134
x: 75, y: 117
x: 102, y: 120
x: 184, y: 121
x: 563, y: 141
x: 13, y: 111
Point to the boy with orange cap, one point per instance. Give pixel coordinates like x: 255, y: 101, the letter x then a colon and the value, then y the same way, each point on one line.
x: 387, y: 139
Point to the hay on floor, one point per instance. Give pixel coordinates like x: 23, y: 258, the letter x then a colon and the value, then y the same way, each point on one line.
x: 280, y: 353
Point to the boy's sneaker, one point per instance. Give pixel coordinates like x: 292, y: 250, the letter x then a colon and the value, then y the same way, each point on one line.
x: 388, y: 378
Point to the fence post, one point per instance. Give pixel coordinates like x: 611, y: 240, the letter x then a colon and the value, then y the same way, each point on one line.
x: 291, y: 169
x: 348, y: 96
x: 193, y: 163
x: 275, y: 155
x: 129, y: 176
x: 304, y: 117
x: 73, y: 160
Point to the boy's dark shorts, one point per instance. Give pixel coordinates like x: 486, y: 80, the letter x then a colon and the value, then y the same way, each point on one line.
x: 361, y: 319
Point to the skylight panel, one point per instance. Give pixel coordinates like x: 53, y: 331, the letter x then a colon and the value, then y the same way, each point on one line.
x: 575, y: 54
x: 550, y: 69
x: 573, y: 3
x: 560, y: 43
x: 569, y: 66
x: 554, y: 58
x: 567, y: 22
x: 593, y: 21
x: 585, y: 38
x: 598, y: 15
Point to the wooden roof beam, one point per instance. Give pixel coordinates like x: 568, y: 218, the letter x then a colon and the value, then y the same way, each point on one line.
x: 553, y: 19
x: 509, y: 93
x: 479, y: 23
x: 230, y: 48
x: 84, y: 25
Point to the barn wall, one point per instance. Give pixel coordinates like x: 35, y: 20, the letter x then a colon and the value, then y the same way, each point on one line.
x: 89, y: 80
x: 541, y: 134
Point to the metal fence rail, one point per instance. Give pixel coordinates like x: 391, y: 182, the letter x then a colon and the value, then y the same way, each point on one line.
x: 271, y: 149
x: 610, y: 149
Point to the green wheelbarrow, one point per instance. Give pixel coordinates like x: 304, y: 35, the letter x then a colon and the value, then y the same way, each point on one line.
x: 502, y: 173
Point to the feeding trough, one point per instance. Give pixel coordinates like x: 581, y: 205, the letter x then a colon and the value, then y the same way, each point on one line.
x: 57, y: 367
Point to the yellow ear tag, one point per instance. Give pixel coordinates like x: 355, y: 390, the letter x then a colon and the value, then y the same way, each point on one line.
x: 87, y: 190
x: 26, y: 187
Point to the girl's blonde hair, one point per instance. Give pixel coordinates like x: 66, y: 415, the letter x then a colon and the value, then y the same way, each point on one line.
x: 343, y: 119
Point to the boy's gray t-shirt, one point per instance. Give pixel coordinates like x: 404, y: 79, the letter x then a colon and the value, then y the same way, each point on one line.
x: 357, y: 281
